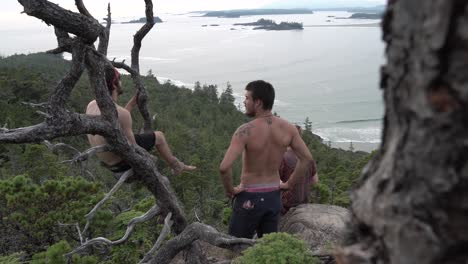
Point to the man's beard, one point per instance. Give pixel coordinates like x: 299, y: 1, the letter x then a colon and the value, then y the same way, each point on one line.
x: 250, y: 114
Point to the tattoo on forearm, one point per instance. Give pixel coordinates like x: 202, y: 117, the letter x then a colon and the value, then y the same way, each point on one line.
x: 244, y: 130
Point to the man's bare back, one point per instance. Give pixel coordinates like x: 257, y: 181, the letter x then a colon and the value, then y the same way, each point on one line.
x: 262, y: 143
x: 108, y: 158
x: 266, y: 140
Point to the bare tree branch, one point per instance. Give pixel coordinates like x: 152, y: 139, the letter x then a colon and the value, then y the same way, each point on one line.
x: 82, y: 8
x: 44, y: 114
x: 142, y: 99
x: 119, y: 183
x: 63, y: 90
x: 105, y: 34
x: 64, y: 42
x: 82, y: 156
x: 138, y: 37
x: 65, y: 123
x: 164, y: 233
x: 77, y: 24
x: 41, y: 105
x: 54, y: 147
x: 130, y: 227
x: 68, y: 125
x: 77, y: 227
x: 198, y: 231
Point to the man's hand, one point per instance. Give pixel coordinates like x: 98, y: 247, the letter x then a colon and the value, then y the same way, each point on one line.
x: 236, y: 190
x: 132, y: 102
x: 284, y: 186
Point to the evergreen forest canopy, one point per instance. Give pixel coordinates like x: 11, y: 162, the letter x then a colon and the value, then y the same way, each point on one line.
x: 42, y: 197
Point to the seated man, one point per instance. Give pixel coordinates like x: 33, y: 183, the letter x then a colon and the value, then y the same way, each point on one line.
x: 147, y: 140
x: 300, y: 192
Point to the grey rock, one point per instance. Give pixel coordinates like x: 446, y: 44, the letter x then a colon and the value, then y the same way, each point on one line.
x: 321, y: 226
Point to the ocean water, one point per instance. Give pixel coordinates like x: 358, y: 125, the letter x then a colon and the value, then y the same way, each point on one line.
x: 329, y: 74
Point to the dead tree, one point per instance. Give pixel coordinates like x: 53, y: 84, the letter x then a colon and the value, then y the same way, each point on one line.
x: 411, y: 205
x: 61, y: 122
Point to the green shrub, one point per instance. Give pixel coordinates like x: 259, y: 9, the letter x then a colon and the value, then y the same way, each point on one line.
x: 281, y: 248
x: 55, y: 255
x: 11, y: 259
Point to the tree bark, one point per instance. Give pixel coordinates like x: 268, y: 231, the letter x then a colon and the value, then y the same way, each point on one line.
x: 78, y: 24
x: 61, y: 122
x: 411, y: 204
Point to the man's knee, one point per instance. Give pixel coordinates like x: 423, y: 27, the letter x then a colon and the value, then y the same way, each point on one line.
x: 160, y: 138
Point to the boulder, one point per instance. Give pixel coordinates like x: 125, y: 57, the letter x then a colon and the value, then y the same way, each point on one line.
x: 320, y: 225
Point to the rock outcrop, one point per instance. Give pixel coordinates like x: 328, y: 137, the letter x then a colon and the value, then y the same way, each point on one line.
x: 321, y: 226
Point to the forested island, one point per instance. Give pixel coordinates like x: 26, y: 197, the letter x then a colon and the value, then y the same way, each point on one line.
x: 142, y: 21
x: 268, y: 24
x: 366, y: 16
x: 256, y: 12
x: 42, y: 197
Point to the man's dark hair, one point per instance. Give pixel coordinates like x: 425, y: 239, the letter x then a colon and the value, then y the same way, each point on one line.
x: 111, y: 78
x: 262, y: 91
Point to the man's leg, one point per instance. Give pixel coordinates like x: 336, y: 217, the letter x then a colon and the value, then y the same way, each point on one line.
x: 166, y: 154
x: 271, y: 204
x: 245, y: 216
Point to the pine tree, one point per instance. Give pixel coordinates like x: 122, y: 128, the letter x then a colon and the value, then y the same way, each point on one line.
x: 226, y: 97
x: 351, y: 146
x: 308, y: 125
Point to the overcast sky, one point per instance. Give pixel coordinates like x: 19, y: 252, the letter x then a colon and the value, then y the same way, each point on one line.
x: 11, y: 9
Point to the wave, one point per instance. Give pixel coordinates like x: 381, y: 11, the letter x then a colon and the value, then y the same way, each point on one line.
x: 344, y: 134
x: 359, y: 121
x: 159, y: 59
x: 177, y: 83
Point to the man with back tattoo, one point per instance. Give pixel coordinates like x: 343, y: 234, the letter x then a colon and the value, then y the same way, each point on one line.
x: 262, y: 142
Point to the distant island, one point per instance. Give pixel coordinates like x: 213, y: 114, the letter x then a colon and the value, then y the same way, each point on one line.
x: 142, y: 20
x: 255, y: 12
x: 365, y: 16
x: 267, y: 24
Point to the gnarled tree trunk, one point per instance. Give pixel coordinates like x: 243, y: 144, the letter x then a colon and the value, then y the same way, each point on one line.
x: 61, y: 122
x: 411, y: 205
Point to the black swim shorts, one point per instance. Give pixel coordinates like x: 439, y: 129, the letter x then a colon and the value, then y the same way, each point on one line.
x: 255, y: 212
x: 145, y: 140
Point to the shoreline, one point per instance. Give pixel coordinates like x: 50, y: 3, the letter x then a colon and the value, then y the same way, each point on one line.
x: 358, y: 146
x: 347, y: 25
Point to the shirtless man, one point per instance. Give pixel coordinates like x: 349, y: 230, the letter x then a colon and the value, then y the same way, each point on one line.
x: 262, y: 142
x: 147, y: 140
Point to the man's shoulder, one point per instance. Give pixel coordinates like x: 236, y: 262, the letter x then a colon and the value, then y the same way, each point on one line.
x: 91, y: 106
x: 284, y: 124
x: 245, y: 129
x: 92, y: 103
x: 121, y: 110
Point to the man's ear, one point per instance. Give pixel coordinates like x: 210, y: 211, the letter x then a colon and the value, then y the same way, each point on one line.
x: 258, y: 103
x: 114, y: 86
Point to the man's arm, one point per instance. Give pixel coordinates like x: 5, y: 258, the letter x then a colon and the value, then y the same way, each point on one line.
x: 304, y: 158
x: 225, y: 168
x: 125, y: 120
x: 315, y: 179
x: 313, y: 171
x: 131, y: 103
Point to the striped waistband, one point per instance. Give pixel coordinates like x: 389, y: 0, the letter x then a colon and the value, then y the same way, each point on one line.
x: 266, y: 187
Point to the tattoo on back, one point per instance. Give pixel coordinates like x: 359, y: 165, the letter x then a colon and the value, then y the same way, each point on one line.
x: 269, y: 121
x: 244, y: 130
